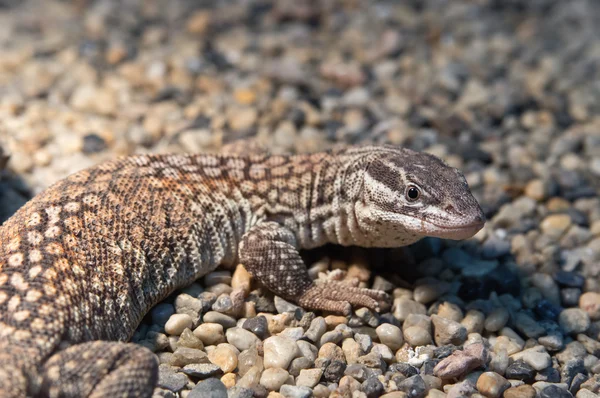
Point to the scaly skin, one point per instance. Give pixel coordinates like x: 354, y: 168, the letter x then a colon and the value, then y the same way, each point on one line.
x: 84, y: 261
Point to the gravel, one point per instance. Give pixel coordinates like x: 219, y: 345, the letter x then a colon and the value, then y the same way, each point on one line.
x: 502, y: 90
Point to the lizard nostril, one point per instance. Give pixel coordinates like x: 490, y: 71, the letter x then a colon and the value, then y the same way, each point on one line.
x: 449, y: 209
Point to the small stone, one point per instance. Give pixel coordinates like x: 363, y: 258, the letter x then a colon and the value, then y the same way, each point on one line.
x: 590, y: 303
x: 188, y: 339
x: 279, y: 352
x: 574, y: 320
x: 293, y: 333
x: 209, y: 388
x: 365, y: 341
x: 242, y: 392
x: 372, y: 387
x: 413, y: 386
x: 461, y: 361
x: 225, y: 357
x: 93, y: 143
x: 285, y: 306
x: 496, y: 320
x: 202, y: 370
x: 554, y: 391
x: 184, y: 356
x: 334, y: 371
x: 524, y: 391
x: 520, y: 370
x: 171, y: 380
x: 241, y: 338
x: 555, y: 225
x: 216, y: 317
x: 333, y: 336
x: 417, y: 336
x: 447, y: 331
x: 298, y: 364
x: 536, y: 357
x: 491, y: 384
x: 536, y: 190
x: 474, y: 321
x: 210, y: 333
x: 295, y: 391
x: 249, y: 359
x: 384, y: 352
x: 251, y: 378
x: 351, y: 350
x: 592, y: 346
x: 199, y: 22
x: 272, y: 379
x: 309, y: 377
x: 307, y: 350
x: 161, y: 313
x: 390, y: 335
x: 528, y: 326
x: 177, y: 323
x: 257, y: 325
x: 317, y: 328
x: 403, y: 307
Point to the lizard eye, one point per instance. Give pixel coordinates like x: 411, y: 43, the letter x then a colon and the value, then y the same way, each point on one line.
x: 412, y: 193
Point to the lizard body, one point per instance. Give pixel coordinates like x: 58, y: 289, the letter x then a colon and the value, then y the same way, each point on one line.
x: 84, y: 261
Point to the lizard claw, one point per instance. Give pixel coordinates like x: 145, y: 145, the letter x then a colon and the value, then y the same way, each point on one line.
x: 339, y: 297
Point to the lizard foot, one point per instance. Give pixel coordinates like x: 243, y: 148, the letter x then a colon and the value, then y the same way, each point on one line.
x: 340, y: 297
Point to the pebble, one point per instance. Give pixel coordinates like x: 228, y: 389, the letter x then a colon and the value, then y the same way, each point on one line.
x: 520, y: 370
x: 474, y: 321
x: 461, y: 361
x: 390, y: 335
x: 295, y: 391
x: 317, y: 328
x: 309, y: 377
x: 241, y: 338
x: 403, y: 307
x: 177, y: 323
x: 554, y: 391
x: 161, y: 313
x: 417, y: 336
x: 184, y: 356
x: 225, y: 357
x: 188, y: 339
x: 574, y: 320
x: 257, y: 325
x: 496, y: 320
x: 216, y: 317
x: 524, y: 391
x: 555, y: 225
x: 201, y: 370
x: 413, y: 386
x: 210, y: 333
x: 492, y: 385
x: 209, y: 388
x: 279, y: 352
x: 272, y: 379
x: 447, y: 331
x: 372, y: 387
x: 590, y: 303
x: 169, y: 378
x: 536, y: 357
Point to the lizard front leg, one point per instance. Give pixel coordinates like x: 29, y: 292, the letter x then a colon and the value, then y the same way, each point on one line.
x: 269, y: 251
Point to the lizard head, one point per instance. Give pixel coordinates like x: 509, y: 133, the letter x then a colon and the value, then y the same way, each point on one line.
x: 409, y: 195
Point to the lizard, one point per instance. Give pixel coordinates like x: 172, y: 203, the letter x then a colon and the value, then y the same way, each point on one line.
x: 83, y: 261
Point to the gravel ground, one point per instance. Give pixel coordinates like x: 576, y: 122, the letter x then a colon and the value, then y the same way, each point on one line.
x: 508, y: 91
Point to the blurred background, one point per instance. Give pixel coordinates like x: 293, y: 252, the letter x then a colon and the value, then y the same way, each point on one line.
x: 507, y: 91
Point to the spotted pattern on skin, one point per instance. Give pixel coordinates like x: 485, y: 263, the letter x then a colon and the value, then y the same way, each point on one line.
x: 109, y: 242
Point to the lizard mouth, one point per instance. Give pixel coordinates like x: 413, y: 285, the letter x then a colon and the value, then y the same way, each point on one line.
x: 452, y: 232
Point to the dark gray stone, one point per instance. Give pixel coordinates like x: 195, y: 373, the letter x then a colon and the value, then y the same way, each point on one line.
x: 209, y: 388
